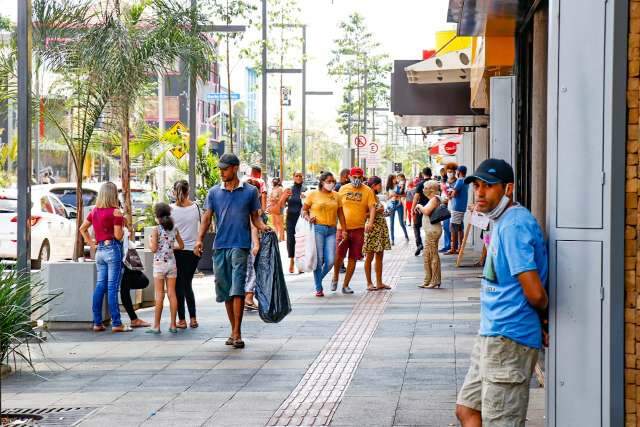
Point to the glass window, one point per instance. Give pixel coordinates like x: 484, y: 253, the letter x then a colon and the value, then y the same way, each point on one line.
x: 58, y: 207
x: 45, y: 205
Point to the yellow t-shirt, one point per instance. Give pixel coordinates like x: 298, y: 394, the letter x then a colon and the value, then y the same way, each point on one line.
x: 355, y: 204
x: 324, y: 206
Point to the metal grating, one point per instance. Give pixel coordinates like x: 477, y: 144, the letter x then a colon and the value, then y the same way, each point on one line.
x: 56, y: 416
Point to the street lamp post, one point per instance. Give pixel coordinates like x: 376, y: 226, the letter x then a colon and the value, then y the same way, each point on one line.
x: 24, y: 136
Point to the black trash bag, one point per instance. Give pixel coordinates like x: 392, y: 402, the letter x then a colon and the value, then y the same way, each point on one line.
x: 134, y: 279
x: 271, y: 289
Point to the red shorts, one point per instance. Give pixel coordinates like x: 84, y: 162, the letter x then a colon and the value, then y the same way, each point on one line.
x: 353, y: 245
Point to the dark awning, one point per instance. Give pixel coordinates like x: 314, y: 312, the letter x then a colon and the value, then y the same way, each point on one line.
x: 433, y: 104
x: 487, y: 17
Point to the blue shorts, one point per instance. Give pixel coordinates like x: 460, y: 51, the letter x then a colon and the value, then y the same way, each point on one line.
x: 230, y: 269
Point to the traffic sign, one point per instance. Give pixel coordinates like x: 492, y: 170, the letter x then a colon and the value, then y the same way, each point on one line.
x: 450, y: 147
x: 178, y: 152
x: 221, y: 96
x: 178, y: 128
x: 360, y: 141
x: 373, y: 148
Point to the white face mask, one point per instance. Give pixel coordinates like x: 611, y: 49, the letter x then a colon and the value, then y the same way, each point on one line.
x: 357, y: 182
x: 451, y: 175
x: 499, y: 210
x: 329, y: 186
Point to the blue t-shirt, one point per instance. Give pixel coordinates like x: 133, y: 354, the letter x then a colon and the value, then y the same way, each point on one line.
x: 517, y: 246
x: 461, y: 200
x: 233, y: 213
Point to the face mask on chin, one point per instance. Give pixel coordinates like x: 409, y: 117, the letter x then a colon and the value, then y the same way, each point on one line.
x: 496, y: 212
x: 357, y: 182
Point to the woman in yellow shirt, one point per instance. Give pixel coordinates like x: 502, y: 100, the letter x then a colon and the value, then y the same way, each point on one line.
x: 323, y: 208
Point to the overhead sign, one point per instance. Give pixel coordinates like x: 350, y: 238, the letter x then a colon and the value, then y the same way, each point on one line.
x: 221, y: 96
x: 360, y: 141
x: 178, y: 128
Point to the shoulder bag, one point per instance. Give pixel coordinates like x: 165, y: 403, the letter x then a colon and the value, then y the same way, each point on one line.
x: 439, y: 214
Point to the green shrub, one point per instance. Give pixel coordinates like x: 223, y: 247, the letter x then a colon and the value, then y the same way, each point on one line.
x: 17, y: 315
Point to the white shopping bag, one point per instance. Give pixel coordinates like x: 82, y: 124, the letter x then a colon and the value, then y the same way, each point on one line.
x: 306, y: 256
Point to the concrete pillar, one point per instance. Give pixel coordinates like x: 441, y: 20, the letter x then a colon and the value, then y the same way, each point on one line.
x: 539, y: 118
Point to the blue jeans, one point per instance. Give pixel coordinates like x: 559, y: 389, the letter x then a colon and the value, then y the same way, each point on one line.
x: 326, y: 250
x: 109, y: 266
x: 447, y: 235
x: 396, y: 207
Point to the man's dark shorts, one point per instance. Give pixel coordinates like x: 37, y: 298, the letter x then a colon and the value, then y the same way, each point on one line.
x: 230, y: 269
x: 353, y: 245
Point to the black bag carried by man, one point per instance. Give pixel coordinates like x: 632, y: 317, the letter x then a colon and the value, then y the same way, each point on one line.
x: 271, y: 289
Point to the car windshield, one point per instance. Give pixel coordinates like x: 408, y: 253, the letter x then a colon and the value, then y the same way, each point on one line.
x: 8, y: 205
x: 68, y: 197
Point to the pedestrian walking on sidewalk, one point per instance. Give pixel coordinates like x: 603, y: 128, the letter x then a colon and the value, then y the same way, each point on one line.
x: 107, y: 221
x: 274, y: 207
x: 186, y: 217
x: 419, y: 199
x: 292, y: 199
x: 459, y: 199
x: 376, y: 241
x: 343, y: 179
x: 235, y: 204
x: 432, y: 233
x: 447, y: 187
x: 513, y: 302
x: 165, y: 238
x: 358, y: 204
x: 395, y: 193
x: 323, y: 208
x: 408, y: 211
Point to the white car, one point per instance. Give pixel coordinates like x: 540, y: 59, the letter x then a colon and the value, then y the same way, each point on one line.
x: 53, y: 227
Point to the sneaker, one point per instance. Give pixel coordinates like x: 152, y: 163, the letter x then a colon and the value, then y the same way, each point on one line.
x: 347, y: 290
x: 319, y: 294
x: 443, y: 250
x: 334, y: 286
x: 418, y: 250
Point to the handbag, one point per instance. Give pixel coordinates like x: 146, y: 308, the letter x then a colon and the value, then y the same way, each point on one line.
x: 439, y: 214
x: 131, y: 258
x: 134, y: 279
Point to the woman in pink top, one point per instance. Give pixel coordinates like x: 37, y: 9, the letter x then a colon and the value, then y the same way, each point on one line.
x: 107, y: 221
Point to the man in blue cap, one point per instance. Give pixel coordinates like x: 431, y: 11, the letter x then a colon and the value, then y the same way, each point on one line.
x: 234, y: 204
x: 513, y: 302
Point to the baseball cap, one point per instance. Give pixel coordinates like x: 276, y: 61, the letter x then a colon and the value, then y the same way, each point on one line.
x: 356, y: 171
x: 462, y: 169
x: 227, y: 160
x: 492, y: 171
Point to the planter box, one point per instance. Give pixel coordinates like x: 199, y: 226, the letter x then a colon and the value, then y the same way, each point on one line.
x: 77, y: 281
x: 206, y: 261
x: 148, y: 298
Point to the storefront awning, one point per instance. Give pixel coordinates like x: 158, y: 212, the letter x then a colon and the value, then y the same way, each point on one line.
x: 452, y: 67
x: 494, y: 18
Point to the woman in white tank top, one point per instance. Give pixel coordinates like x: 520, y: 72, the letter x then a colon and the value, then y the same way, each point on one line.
x: 186, y: 217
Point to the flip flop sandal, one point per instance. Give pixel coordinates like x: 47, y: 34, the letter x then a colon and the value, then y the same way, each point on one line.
x: 181, y: 325
x: 141, y: 325
x: 173, y: 330
x: 194, y: 324
x: 99, y: 329
x: 229, y: 341
x: 124, y: 328
x: 371, y: 288
x: 152, y: 331
x: 385, y: 287
x: 238, y: 344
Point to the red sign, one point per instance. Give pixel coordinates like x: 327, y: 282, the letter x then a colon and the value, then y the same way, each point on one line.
x: 360, y: 141
x: 450, y: 147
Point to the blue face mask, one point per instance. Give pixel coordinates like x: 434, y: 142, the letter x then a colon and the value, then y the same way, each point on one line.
x: 357, y: 182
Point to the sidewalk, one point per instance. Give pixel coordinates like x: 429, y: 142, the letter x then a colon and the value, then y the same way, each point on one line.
x: 381, y: 358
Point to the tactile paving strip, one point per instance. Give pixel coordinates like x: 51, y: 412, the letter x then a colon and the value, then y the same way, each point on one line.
x: 316, y: 398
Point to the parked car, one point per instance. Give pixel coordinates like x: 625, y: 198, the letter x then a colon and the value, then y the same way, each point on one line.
x: 52, y: 227
x: 66, y: 192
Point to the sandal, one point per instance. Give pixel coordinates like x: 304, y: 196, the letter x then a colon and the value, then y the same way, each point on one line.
x: 152, y: 331
x: 121, y: 328
x: 194, y: 324
x: 229, y: 341
x: 173, y: 330
x: 99, y: 328
x: 139, y: 323
x: 371, y: 288
x: 181, y: 324
x: 238, y: 343
x: 383, y: 287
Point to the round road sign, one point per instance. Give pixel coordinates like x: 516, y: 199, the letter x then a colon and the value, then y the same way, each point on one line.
x: 373, y: 148
x: 450, y: 147
x: 360, y: 141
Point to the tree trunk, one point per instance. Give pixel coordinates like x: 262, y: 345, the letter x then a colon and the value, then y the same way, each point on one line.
x: 78, y: 249
x: 125, y: 163
x: 229, y: 97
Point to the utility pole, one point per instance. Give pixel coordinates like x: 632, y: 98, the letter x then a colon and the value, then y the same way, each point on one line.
x: 161, y: 129
x: 193, y: 150
x: 304, y: 101
x: 264, y: 86
x: 351, y: 163
x: 24, y: 137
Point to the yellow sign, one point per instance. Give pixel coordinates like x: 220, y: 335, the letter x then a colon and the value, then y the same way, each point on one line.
x: 178, y: 129
x: 178, y: 152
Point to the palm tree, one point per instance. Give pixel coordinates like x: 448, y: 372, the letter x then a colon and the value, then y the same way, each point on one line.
x: 138, y: 40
